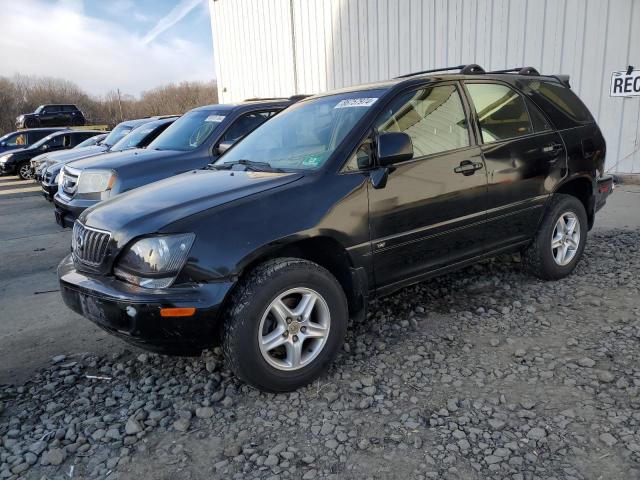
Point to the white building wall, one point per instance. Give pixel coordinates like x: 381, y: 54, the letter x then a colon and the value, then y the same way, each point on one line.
x: 281, y: 47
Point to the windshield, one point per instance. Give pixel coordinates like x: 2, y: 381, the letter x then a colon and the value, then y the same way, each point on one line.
x: 134, y: 138
x: 90, y: 141
x: 189, y: 131
x: 306, y: 134
x: 117, y: 134
x: 41, y: 142
x: 39, y: 109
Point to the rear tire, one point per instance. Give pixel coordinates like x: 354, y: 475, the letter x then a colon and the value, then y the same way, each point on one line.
x: 558, y: 245
x: 24, y: 171
x: 77, y: 122
x: 285, y: 324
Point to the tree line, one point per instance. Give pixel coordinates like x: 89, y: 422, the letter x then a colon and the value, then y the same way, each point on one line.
x: 24, y: 93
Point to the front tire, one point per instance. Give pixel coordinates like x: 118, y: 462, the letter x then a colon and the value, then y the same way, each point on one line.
x: 285, y: 324
x: 24, y: 171
x: 30, y: 123
x: 558, y: 245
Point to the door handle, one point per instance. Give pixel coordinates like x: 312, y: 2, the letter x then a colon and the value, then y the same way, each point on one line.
x: 467, y: 167
x: 553, y: 148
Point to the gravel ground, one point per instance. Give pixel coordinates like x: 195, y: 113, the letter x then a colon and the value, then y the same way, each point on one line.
x: 486, y: 373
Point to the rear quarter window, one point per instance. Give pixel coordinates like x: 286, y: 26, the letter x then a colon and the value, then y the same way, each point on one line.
x: 559, y: 103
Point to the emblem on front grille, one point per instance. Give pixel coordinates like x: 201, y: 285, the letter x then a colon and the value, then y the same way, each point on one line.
x: 79, y: 242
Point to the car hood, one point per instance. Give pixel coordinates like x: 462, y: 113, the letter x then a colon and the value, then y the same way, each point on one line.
x: 76, y: 153
x: 115, y: 160
x: 150, y: 208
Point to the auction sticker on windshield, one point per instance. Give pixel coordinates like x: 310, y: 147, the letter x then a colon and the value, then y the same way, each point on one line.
x: 214, y: 118
x: 355, y: 102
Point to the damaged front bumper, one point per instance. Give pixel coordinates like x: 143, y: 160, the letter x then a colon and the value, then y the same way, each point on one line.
x: 133, y: 313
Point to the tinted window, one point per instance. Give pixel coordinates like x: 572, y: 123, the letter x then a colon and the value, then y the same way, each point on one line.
x: 502, y: 113
x: 246, y: 124
x: 15, y: 140
x: 434, y: 118
x: 306, y: 134
x: 563, y: 107
x: 69, y: 108
x: 189, y: 131
x: 540, y: 123
x: 52, y: 109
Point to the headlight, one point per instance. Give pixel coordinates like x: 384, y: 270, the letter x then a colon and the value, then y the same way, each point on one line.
x: 154, y: 262
x: 4, y: 158
x: 95, y: 181
x: 60, y: 179
x: 57, y: 177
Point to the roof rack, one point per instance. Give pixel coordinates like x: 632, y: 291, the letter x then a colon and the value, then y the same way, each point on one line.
x: 471, y: 69
x: 519, y: 71
x: 293, y: 98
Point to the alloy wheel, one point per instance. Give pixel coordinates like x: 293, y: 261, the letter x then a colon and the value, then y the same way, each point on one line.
x: 565, y: 239
x: 294, y: 329
x: 25, y: 172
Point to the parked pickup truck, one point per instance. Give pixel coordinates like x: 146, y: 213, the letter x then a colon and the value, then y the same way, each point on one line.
x: 340, y: 198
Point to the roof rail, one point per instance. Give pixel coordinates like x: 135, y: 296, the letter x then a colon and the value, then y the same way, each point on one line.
x: 519, y: 71
x: 470, y: 69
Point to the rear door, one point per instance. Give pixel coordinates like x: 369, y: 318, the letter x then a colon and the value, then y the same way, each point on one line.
x: 524, y: 156
x: 431, y: 212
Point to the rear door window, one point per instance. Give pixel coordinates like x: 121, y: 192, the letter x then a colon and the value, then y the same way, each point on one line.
x: 501, y: 111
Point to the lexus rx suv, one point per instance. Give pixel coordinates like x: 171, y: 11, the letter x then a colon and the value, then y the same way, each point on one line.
x: 340, y: 198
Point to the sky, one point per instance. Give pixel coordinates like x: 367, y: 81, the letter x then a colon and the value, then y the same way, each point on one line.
x: 102, y: 45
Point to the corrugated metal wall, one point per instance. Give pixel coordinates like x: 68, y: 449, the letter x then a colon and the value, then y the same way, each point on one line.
x: 281, y: 47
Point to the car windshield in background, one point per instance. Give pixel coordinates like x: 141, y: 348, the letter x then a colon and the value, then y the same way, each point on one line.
x: 189, y: 131
x: 306, y: 134
x: 90, y: 141
x: 116, y: 135
x: 42, y: 141
x: 39, y: 109
x: 133, y: 139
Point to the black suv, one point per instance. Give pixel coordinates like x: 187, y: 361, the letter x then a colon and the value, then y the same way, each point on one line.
x: 52, y: 116
x: 341, y: 197
x: 193, y: 141
x: 18, y: 162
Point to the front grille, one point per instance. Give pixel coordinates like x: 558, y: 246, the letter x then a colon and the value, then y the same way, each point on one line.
x: 89, y: 245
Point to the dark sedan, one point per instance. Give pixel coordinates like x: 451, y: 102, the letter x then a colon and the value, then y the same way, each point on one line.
x: 18, y: 162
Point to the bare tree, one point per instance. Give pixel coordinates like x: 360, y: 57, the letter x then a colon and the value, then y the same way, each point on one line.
x: 22, y: 93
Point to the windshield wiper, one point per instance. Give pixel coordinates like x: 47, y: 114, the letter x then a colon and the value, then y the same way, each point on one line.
x: 248, y: 164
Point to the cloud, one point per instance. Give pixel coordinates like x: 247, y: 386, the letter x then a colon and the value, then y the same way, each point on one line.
x: 176, y: 14
x: 59, y: 40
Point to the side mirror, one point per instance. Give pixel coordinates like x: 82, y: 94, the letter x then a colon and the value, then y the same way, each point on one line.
x: 223, y: 147
x: 393, y: 147
x: 44, y: 147
x: 3, y: 144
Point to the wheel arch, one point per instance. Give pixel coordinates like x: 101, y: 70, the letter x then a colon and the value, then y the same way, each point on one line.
x: 327, y: 252
x: 581, y: 187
